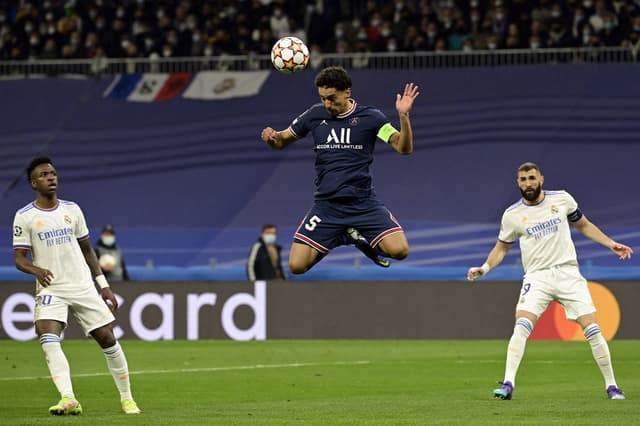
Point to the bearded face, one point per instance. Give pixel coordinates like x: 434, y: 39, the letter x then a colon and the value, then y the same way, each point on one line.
x: 530, y: 184
x: 531, y: 194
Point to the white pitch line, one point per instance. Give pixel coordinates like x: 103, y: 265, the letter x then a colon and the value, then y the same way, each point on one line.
x: 200, y: 370
x: 491, y: 361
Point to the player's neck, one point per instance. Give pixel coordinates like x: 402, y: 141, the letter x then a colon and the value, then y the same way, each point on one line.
x: 46, y: 202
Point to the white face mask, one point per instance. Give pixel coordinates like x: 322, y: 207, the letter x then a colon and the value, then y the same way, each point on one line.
x: 269, y: 239
x: 109, y: 240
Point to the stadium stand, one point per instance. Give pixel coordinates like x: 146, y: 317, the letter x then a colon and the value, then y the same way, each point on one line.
x: 55, y: 29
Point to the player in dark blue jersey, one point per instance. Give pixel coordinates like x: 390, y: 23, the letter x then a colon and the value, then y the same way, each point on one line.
x: 345, y: 208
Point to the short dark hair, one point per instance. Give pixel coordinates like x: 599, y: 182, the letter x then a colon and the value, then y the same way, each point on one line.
x: 335, y: 77
x: 525, y: 167
x: 268, y: 226
x: 35, y: 163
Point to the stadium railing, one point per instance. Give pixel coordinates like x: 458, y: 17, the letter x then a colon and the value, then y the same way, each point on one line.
x: 364, y: 60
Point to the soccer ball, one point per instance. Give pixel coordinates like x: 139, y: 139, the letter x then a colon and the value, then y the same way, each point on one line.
x: 289, y: 55
x: 107, y: 262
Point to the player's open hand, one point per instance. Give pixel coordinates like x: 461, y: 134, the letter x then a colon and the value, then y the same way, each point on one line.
x: 404, y: 102
x: 474, y: 273
x: 624, y: 252
x: 110, y: 299
x: 44, y: 277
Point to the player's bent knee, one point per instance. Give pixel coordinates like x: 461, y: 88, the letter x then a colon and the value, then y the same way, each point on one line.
x: 400, y: 253
x: 104, y: 336
x: 298, y: 268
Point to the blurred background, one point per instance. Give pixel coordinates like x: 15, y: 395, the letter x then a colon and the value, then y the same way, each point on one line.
x: 152, y: 112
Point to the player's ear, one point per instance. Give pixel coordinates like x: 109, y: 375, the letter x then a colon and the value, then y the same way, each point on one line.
x: 541, y: 180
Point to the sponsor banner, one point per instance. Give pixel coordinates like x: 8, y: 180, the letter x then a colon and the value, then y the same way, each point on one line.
x: 205, y: 85
x: 214, y: 85
x: 148, y: 87
x: 324, y: 310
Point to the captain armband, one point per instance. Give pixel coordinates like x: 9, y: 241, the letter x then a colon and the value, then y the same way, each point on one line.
x: 102, y: 281
x: 385, y: 132
x: 575, y: 216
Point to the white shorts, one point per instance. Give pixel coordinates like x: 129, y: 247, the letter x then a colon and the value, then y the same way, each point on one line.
x: 86, y: 306
x: 563, y: 284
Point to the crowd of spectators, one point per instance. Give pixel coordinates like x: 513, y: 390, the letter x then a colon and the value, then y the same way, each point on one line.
x: 53, y: 29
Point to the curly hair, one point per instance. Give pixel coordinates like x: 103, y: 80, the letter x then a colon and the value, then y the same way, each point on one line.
x: 35, y: 163
x: 334, y: 77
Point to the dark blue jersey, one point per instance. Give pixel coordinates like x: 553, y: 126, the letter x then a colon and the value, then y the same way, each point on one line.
x: 344, y: 148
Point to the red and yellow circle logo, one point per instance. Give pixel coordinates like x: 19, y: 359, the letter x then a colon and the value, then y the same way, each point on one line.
x: 553, y: 324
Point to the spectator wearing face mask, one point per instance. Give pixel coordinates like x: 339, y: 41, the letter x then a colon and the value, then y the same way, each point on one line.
x: 264, y: 261
x: 110, y: 256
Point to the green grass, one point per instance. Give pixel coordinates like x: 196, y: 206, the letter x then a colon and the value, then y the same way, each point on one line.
x: 325, y: 383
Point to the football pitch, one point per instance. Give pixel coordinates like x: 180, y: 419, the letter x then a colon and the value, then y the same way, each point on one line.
x: 320, y: 382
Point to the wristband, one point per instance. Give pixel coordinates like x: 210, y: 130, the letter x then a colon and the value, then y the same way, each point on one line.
x: 485, y: 268
x: 102, y: 281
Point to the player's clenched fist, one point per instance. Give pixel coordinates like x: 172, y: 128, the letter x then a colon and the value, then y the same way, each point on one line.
x: 268, y: 135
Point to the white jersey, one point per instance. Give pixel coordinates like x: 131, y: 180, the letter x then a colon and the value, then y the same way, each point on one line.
x: 52, y: 236
x: 543, y: 230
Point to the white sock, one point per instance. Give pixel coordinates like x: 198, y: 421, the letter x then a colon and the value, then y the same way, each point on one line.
x: 57, y: 363
x: 117, y: 363
x: 600, y: 350
x: 515, y: 350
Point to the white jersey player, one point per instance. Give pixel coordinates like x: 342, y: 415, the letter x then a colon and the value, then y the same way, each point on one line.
x: 540, y: 221
x: 55, y: 234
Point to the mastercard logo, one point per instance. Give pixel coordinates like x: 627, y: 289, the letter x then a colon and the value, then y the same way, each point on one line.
x: 553, y: 324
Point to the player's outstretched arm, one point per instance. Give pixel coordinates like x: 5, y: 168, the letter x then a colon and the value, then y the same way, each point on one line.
x: 277, y: 140
x: 496, y: 255
x: 402, y: 141
x: 594, y: 233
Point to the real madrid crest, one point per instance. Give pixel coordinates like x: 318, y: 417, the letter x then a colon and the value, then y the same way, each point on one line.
x: 554, y: 209
x: 67, y: 219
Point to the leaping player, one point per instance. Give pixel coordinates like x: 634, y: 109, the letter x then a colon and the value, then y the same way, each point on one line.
x: 345, y: 208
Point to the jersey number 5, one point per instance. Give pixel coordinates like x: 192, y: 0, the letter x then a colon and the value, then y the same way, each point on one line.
x: 312, y: 223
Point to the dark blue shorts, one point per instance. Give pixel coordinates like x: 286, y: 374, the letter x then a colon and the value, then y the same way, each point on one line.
x: 324, y: 226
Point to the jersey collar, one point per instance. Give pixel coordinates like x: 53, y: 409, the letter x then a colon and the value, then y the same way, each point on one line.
x: 350, y: 110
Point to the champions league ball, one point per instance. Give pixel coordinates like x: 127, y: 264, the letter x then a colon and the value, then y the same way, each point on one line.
x: 289, y: 55
x: 107, y: 262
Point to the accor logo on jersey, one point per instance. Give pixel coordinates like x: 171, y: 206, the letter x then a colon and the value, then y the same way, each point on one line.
x: 339, y: 139
x: 345, y: 136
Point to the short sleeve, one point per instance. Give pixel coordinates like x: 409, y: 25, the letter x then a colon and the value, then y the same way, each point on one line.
x: 508, y: 233
x: 300, y: 125
x: 81, y: 231
x: 21, y: 234
x: 573, y: 213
